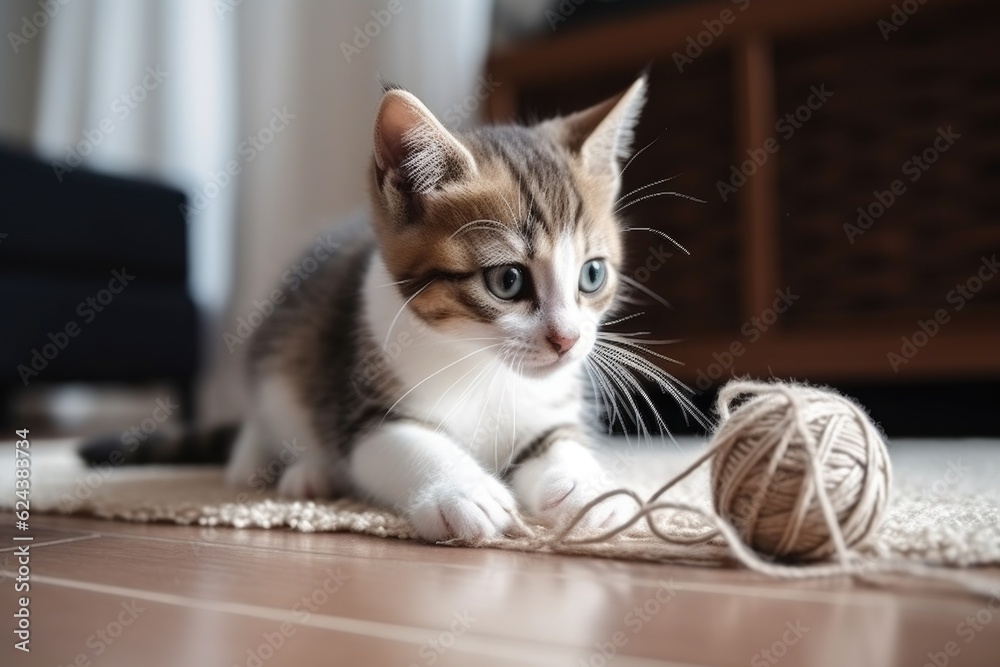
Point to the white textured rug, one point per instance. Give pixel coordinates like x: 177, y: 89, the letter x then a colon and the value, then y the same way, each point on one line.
x: 945, y: 506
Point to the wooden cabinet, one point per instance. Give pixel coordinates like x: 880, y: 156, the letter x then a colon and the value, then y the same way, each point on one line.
x: 849, y: 157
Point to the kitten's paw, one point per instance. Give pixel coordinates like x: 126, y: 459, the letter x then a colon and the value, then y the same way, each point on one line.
x: 304, y: 479
x: 468, y: 511
x: 560, y: 493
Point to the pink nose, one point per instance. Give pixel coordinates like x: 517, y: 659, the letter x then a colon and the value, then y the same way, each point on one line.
x: 562, y: 343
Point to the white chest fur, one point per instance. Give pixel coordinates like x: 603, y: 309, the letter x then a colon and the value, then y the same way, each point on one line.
x: 464, y: 387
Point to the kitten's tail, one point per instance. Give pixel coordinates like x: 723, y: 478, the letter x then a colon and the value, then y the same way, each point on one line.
x: 181, y: 447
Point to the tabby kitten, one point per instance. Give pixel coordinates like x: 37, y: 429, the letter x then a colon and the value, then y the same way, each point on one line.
x: 436, y: 364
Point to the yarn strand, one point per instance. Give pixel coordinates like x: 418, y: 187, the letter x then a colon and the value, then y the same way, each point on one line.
x: 784, y: 429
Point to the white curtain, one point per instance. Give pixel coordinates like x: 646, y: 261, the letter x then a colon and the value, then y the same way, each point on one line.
x: 283, y: 92
x: 146, y: 86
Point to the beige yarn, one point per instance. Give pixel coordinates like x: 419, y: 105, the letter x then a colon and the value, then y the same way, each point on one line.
x: 791, y: 462
x: 806, y: 434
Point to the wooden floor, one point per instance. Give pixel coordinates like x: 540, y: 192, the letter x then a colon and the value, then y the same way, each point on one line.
x: 105, y: 593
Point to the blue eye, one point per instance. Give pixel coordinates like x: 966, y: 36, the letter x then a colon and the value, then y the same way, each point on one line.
x: 592, y: 276
x: 506, y: 282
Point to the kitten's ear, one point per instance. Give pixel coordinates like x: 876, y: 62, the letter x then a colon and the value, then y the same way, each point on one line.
x: 412, y: 145
x: 602, y: 135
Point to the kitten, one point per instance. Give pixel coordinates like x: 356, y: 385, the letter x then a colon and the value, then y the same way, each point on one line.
x: 436, y: 364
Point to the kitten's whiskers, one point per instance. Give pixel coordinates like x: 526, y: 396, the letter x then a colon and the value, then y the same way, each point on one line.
x: 617, y: 363
x: 622, y: 319
x: 398, y: 282
x: 435, y: 373
x: 639, y: 152
x: 671, y: 193
x: 644, y: 187
x: 469, y: 390
x: 642, y: 288
x: 660, y: 233
x: 392, y: 325
x: 489, y: 391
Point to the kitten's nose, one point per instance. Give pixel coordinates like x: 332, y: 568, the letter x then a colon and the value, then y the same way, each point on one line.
x: 562, y: 342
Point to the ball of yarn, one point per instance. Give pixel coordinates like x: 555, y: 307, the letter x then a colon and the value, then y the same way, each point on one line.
x: 800, y: 472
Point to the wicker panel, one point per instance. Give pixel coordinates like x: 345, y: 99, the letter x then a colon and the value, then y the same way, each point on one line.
x: 940, y: 69
x: 689, y: 116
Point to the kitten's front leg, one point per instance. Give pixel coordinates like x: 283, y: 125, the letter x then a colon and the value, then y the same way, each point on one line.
x: 439, y: 487
x: 554, y: 484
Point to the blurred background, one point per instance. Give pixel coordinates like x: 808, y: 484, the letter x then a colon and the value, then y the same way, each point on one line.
x: 163, y: 164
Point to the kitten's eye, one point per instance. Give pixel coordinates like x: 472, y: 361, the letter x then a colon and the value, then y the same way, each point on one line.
x: 506, y: 282
x: 592, y: 276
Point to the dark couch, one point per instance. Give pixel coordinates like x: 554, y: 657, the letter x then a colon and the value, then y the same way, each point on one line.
x: 93, y: 280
